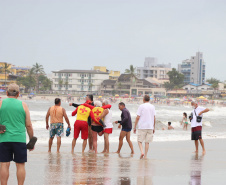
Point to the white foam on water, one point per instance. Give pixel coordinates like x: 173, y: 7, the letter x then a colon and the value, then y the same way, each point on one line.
x: 213, y: 123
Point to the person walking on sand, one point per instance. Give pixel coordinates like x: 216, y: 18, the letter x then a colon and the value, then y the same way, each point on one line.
x: 126, y: 124
x: 56, y: 114
x: 185, y: 121
x: 146, y: 125
x: 196, y: 125
x: 15, y: 116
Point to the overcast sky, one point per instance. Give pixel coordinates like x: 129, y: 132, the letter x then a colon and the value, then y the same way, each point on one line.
x: 73, y: 34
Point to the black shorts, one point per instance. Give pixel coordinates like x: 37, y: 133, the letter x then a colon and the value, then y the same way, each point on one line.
x: 97, y: 128
x: 13, y: 151
x: 196, y: 133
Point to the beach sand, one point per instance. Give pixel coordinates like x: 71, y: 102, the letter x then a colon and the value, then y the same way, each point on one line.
x: 168, y: 163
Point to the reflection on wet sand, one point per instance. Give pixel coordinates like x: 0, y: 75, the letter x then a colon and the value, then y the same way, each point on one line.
x: 145, y: 173
x: 124, y: 168
x: 103, y: 169
x: 196, y: 170
x: 54, y: 171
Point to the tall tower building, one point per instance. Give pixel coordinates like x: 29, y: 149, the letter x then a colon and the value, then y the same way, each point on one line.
x: 194, y: 69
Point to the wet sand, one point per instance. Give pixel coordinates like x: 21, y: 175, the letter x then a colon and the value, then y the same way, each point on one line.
x: 168, y: 163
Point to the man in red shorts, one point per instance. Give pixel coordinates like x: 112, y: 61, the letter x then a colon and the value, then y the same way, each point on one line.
x: 81, y: 124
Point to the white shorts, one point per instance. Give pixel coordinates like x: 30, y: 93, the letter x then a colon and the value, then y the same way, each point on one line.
x: 145, y: 135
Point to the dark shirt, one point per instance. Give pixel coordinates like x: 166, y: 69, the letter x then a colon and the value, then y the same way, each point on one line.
x: 76, y: 105
x: 126, y: 121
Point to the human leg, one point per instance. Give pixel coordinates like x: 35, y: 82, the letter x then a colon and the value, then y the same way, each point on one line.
x: 203, y: 147
x: 90, y: 139
x: 196, y: 146
x: 106, y: 140
x: 121, y: 137
x: 21, y: 173
x: 129, y: 142
x: 58, y: 144
x: 84, y: 145
x: 50, y: 143
x: 146, y: 150
x: 4, y: 172
x: 73, y: 145
x: 94, y: 134
x: 141, y: 150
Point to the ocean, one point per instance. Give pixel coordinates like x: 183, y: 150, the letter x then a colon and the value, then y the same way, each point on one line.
x: 214, y: 126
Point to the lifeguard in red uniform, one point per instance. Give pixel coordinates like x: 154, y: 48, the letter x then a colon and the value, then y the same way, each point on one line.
x: 81, y: 125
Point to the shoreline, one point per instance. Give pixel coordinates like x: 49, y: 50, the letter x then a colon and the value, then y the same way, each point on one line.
x: 167, y: 163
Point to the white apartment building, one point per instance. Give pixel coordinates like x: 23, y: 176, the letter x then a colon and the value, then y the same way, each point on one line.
x: 78, y: 81
x: 153, y: 69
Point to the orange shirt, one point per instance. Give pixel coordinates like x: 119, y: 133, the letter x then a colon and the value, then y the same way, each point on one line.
x: 56, y: 114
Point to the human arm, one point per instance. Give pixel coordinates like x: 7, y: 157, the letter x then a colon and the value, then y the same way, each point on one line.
x: 104, y: 113
x: 204, y: 111
x: 74, y: 105
x: 47, y: 119
x: 88, y: 105
x: 106, y: 106
x: 28, y: 124
x: 154, y: 125
x: 1, y: 132
x: 66, y: 118
x: 136, y: 122
x: 74, y: 112
x: 97, y: 121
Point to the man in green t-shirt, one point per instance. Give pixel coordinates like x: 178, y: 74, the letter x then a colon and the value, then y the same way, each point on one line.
x: 15, y: 116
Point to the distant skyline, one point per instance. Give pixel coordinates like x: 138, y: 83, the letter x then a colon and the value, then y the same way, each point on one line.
x: 80, y: 34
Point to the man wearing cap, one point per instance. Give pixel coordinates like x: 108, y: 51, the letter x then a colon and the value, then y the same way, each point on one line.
x: 15, y: 116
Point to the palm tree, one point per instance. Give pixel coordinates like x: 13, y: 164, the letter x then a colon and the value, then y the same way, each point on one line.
x: 132, y: 73
x: 120, y: 87
x: 90, y: 87
x: 38, y: 70
x: 66, y: 84
x: 5, y: 70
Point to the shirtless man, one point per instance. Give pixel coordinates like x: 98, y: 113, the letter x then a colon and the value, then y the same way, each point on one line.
x: 56, y: 114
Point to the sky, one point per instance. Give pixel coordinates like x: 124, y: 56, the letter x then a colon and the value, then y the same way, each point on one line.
x: 80, y: 34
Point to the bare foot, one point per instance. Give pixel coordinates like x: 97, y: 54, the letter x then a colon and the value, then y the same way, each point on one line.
x: 141, y: 156
x: 196, y: 152
x: 132, y: 152
x: 103, y: 152
x: 58, y: 152
x: 204, y: 152
x: 49, y: 151
x: 91, y: 151
x: 117, y: 152
x: 72, y: 152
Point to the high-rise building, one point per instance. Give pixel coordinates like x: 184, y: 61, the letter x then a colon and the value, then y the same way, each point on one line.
x: 153, y: 69
x: 194, y: 69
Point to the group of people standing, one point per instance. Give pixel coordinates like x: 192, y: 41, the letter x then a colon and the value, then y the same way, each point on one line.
x: 93, y: 118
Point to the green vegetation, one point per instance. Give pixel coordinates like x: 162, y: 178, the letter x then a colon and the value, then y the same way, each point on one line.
x: 35, y: 79
x: 176, y: 80
x: 214, y: 82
